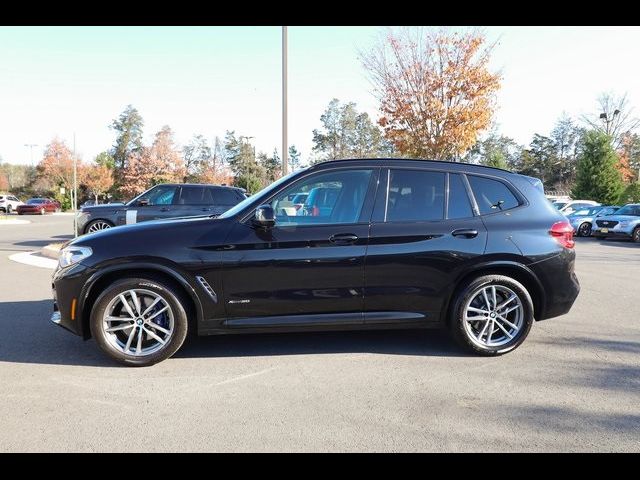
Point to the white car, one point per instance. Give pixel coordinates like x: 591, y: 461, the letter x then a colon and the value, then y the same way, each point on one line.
x: 9, y: 203
x: 568, y: 207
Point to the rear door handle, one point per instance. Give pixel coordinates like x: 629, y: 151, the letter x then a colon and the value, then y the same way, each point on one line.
x: 465, y: 232
x: 205, y: 209
x: 165, y: 209
x: 343, y: 238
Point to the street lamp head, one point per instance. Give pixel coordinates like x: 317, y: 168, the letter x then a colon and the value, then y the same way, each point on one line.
x: 616, y: 112
x: 603, y: 115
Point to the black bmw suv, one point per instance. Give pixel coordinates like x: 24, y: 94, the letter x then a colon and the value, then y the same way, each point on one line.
x: 167, y: 200
x: 397, y: 244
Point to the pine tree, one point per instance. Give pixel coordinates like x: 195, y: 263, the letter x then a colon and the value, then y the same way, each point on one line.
x: 597, y: 177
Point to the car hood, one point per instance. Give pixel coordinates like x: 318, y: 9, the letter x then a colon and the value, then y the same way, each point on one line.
x: 620, y: 218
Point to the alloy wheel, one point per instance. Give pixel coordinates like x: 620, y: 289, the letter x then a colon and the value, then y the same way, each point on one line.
x: 493, y: 316
x: 584, y: 230
x: 138, y: 322
x: 97, y: 226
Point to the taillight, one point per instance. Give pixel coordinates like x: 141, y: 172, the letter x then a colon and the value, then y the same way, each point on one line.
x: 563, y: 233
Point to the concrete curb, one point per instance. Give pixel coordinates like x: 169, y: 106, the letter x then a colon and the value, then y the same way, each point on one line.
x: 51, y: 251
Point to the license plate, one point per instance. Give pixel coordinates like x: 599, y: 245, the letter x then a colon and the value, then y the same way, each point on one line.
x: 604, y: 230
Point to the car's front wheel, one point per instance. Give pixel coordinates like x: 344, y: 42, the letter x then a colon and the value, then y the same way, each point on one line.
x: 635, y: 236
x: 9, y: 209
x: 584, y: 230
x: 97, y: 225
x: 42, y: 211
x: 139, y: 322
x: 491, y: 315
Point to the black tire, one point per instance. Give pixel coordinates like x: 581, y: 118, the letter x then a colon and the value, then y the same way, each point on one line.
x: 584, y: 230
x: 98, y: 220
x: 635, y: 236
x: 9, y: 210
x: 169, y: 294
x: 469, y: 290
x: 42, y: 211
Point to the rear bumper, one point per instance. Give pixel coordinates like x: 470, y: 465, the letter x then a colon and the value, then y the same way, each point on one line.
x: 611, y: 234
x: 560, y: 284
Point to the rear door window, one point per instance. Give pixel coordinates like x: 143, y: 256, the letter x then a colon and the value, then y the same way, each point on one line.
x: 415, y: 195
x: 223, y: 196
x: 191, y: 196
x: 492, y: 195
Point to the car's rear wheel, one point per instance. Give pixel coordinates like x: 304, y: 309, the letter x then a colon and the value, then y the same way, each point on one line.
x: 635, y: 236
x: 584, y: 230
x: 9, y: 209
x: 97, y: 225
x: 491, y: 315
x: 139, y: 322
x: 42, y: 211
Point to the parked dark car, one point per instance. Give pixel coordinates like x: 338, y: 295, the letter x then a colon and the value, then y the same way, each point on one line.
x: 404, y: 244
x: 167, y: 200
x: 39, y: 206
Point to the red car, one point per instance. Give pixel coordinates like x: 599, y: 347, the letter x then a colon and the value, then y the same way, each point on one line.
x: 39, y: 206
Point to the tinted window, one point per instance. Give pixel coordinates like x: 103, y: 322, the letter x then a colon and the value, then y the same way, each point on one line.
x: 162, y: 195
x: 459, y: 205
x: 415, y: 195
x: 333, y: 197
x: 191, y: 196
x: 35, y: 201
x: 492, y: 195
x: 629, y: 210
x: 225, y: 196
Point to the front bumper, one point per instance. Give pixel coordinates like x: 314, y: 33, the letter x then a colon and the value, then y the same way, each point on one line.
x: 617, y: 231
x: 68, y: 297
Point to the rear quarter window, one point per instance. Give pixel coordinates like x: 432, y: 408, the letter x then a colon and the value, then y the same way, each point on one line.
x: 226, y: 196
x: 492, y: 195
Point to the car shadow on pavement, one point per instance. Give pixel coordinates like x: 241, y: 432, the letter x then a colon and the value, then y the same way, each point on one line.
x: 27, y: 336
x: 416, y: 342
x: 614, y: 242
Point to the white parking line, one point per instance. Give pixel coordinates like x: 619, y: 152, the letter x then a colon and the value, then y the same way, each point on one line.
x: 32, y: 258
x: 14, y: 221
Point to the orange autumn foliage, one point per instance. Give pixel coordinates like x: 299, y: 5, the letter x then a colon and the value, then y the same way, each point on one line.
x: 435, y: 89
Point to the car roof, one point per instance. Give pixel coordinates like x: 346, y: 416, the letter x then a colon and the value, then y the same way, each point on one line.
x: 409, y: 162
x: 198, y: 185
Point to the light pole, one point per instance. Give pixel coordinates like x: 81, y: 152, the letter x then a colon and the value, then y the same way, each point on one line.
x: 31, y: 145
x: 75, y: 189
x: 285, y: 149
x: 608, y: 121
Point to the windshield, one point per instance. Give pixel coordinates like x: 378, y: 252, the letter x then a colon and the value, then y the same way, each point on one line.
x: 261, y: 194
x: 559, y: 205
x: 35, y: 201
x: 633, y: 210
x: 586, y: 211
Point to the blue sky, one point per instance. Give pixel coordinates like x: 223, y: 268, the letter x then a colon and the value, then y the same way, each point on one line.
x: 61, y: 80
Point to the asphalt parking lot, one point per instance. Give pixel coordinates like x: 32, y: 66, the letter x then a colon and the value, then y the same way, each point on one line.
x: 574, y: 385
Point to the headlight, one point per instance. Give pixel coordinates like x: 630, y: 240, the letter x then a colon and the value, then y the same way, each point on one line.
x: 72, y: 254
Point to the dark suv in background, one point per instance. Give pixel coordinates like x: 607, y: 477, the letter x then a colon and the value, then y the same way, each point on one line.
x: 393, y: 244
x: 162, y: 201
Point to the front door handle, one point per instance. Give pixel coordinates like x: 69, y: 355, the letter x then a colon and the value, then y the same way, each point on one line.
x: 205, y: 209
x: 465, y: 232
x: 164, y: 209
x: 343, y: 238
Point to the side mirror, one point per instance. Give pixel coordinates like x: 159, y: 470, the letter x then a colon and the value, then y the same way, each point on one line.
x: 264, y: 217
x: 143, y: 202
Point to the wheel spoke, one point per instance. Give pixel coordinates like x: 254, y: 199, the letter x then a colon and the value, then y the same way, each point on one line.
x: 118, y: 328
x: 136, y: 301
x: 486, y: 298
x: 166, y: 307
x: 515, y: 327
x: 153, y: 304
x: 493, y: 295
x: 125, y: 302
x: 159, y: 328
x: 503, y: 329
x: 479, y: 337
x: 506, y: 302
x: 154, y: 336
x: 490, y: 334
x: 139, y: 346
x: 477, y: 310
x: 507, y: 312
x: 119, y: 319
x: 131, y: 336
